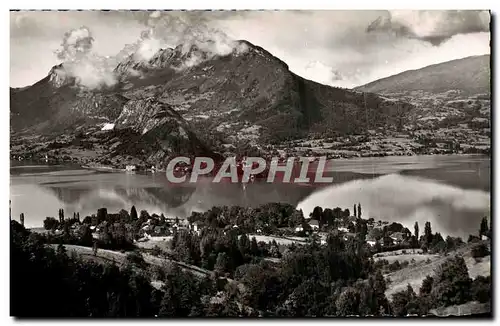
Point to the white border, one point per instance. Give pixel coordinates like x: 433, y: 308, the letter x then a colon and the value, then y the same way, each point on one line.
x: 190, y: 4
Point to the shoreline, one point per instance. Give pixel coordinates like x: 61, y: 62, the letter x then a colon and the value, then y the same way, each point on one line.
x: 105, y: 168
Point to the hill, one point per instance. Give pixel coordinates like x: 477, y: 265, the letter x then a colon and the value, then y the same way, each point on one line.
x: 451, y: 100
x: 469, y: 76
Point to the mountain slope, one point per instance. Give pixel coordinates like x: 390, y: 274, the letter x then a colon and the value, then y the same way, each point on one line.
x: 183, y: 98
x: 469, y: 75
x: 451, y: 103
x: 253, y: 90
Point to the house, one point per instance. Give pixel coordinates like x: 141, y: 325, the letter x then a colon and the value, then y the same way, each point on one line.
x: 484, y: 237
x: 157, y: 230
x: 108, y: 126
x: 349, y: 235
x: 195, y: 226
x: 147, y: 228
x: 297, y: 229
x: 314, y: 224
x: 343, y: 229
x: 130, y: 168
x: 371, y: 242
x: 397, y: 237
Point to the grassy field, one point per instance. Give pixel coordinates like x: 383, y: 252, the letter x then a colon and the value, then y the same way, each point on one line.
x: 414, y: 274
x: 279, y: 240
x: 162, y: 242
x: 406, y: 255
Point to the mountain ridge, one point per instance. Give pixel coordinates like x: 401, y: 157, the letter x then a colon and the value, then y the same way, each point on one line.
x: 435, y: 75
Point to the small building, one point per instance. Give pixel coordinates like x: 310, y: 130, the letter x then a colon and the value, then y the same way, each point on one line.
x: 297, y: 229
x: 343, y: 229
x: 130, y: 168
x: 371, y: 242
x: 314, y: 224
x: 397, y: 237
x: 484, y: 237
x: 108, y: 126
x: 195, y: 226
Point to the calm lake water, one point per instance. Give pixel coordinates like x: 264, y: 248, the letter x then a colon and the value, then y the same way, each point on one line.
x: 39, y: 191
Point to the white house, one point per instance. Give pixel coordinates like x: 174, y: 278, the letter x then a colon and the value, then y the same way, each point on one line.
x: 371, y: 242
x: 297, y: 229
x: 108, y: 126
x: 343, y: 229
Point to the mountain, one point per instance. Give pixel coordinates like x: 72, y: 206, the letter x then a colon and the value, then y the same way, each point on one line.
x: 469, y: 75
x: 188, y: 100
x: 451, y: 100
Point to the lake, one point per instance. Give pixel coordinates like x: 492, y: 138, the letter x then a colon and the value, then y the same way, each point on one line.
x: 39, y: 191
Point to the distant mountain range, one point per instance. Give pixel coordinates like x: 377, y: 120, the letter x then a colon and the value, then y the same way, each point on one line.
x: 469, y: 75
x: 187, y: 101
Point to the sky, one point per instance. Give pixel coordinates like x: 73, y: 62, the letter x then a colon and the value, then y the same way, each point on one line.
x: 338, y: 48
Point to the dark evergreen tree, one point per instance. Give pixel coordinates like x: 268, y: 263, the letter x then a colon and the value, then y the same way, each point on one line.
x: 483, y: 230
x: 133, y: 214
x: 428, y: 234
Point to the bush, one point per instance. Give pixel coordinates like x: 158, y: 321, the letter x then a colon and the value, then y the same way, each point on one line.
x: 479, y: 250
x: 481, y: 289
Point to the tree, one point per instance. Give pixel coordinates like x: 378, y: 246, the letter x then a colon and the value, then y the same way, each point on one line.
x: 327, y: 217
x: 221, y: 264
x: 348, y: 302
x: 167, y: 305
x: 452, y: 284
x: 483, y: 230
x: 481, y: 289
x: 86, y: 237
x: 244, y: 245
x: 50, y: 223
x: 359, y: 210
x: 416, y: 230
x: 135, y: 259
x: 404, y: 302
x: 355, y: 212
x: 428, y: 234
x: 133, y: 214
x: 426, y: 287
x: 316, y: 213
x: 21, y: 219
x: 254, y: 248
x: 479, y: 250
x: 102, y: 213
x: 94, y: 248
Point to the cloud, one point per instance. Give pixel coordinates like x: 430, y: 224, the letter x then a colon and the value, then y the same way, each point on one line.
x: 451, y: 210
x: 77, y: 43
x: 430, y: 26
x: 79, y: 62
x: 331, y: 47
